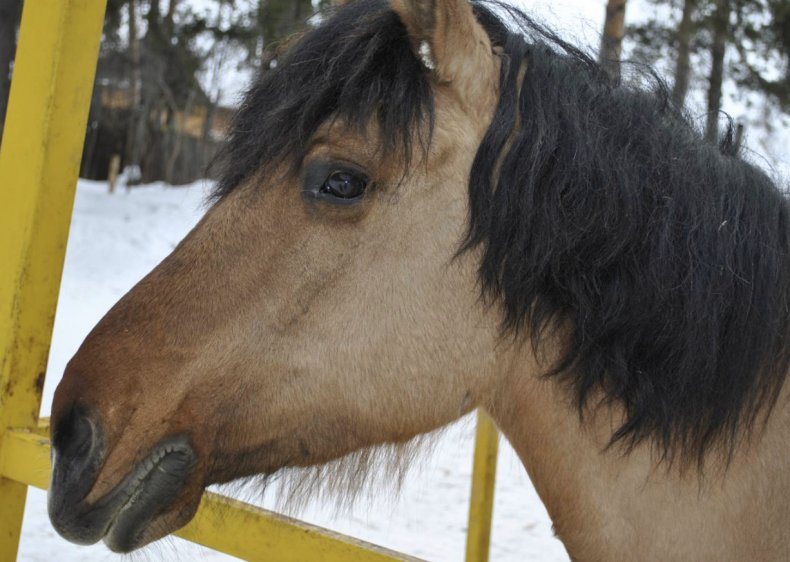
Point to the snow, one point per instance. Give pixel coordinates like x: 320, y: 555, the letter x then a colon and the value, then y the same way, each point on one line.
x: 114, y: 241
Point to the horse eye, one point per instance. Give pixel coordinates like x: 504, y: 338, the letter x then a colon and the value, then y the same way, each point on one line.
x: 344, y: 185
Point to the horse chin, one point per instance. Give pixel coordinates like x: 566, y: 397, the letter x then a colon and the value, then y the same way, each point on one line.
x: 139, y: 510
x: 135, y: 531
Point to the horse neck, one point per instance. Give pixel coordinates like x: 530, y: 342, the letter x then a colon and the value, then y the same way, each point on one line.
x: 607, y: 504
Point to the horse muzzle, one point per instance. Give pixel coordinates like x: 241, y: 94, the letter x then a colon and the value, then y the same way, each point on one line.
x: 123, y: 517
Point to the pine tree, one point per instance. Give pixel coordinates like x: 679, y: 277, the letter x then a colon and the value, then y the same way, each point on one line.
x: 762, y: 42
x: 755, y: 33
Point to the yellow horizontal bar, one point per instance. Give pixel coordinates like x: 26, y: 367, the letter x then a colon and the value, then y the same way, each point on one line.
x: 221, y: 523
x: 24, y: 457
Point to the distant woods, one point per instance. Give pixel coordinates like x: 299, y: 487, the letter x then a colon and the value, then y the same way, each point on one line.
x: 160, y: 101
x: 703, y: 44
x: 159, y: 104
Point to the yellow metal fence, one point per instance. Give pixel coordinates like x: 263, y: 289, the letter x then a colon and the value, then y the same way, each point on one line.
x: 39, y: 162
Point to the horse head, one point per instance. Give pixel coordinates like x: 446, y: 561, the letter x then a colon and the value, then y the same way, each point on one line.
x: 319, y: 307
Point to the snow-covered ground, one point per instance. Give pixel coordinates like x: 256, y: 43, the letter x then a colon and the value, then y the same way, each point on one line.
x: 114, y: 241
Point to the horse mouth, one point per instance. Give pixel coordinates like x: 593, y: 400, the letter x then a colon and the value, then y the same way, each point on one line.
x: 125, y: 519
x: 147, y: 493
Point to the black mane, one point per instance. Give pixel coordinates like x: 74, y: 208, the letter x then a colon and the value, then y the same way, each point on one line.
x: 666, y: 255
x: 357, y: 65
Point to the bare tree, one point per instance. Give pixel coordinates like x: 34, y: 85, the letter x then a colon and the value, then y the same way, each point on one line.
x: 612, y: 39
x: 682, y: 66
x: 169, y: 18
x: 721, y: 20
x: 154, y: 18
x: 136, y: 129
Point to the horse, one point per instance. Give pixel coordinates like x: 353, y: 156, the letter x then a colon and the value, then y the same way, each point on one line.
x: 432, y: 206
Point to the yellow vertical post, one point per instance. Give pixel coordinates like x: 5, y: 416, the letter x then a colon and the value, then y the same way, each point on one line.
x: 481, y: 503
x: 39, y: 162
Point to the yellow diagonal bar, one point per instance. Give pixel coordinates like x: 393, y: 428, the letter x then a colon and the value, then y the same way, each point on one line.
x: 481, y: 503
x: 39, y: 161
x: 221, y: 523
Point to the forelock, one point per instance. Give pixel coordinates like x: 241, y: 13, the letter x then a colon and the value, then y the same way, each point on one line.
x: 357, y: 66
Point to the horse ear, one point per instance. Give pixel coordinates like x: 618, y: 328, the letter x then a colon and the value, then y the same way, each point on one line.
x: 448, y: 38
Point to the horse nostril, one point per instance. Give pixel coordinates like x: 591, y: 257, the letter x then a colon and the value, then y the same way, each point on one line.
x: 77, y: 454
x: 75, y: 440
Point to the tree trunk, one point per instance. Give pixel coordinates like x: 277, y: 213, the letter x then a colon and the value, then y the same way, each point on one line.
x: 9, y: 19
x: 178, y: 132
x: 132, y: 152
x: 683, y: 68
x: 612, y: 40
x: 300, y: 12
x: 139, y: 136
x: 170, y: 18
x: 208, y: 127
x: 154, y: 19
x: 738, y: 142
x: 721, y: 19
x: 96, y: 116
